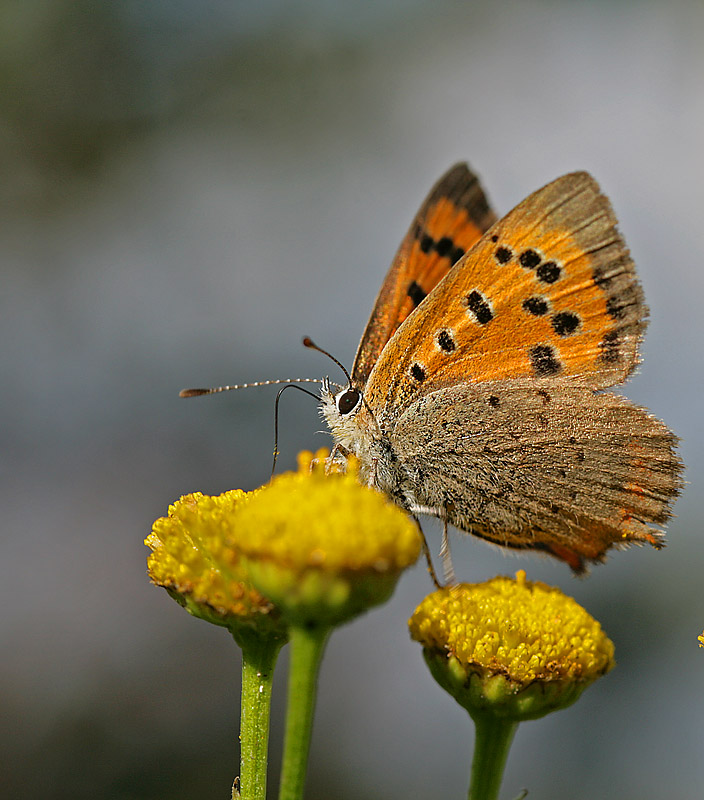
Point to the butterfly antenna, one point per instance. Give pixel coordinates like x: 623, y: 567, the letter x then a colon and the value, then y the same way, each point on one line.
x: 217, y: 389
x: 276, y: 418
x: 308, y: 342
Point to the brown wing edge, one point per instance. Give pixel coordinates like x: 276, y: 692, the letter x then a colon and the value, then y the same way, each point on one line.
x: 578, y: 203
x: 460, y: 185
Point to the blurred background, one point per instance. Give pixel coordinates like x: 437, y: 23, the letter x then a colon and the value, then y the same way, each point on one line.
x: 188, y: 189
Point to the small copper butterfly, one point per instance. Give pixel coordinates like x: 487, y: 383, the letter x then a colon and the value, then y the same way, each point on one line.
x: 475, y: 394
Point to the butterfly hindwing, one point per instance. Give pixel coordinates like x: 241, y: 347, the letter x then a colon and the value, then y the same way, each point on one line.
x: 541, y: 464
x: 550, y: 290
x: 451, y: 220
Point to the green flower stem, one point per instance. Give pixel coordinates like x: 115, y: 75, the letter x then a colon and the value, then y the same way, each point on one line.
x: 307, y: 645
x: 491, y: 745
x: 259, y: 654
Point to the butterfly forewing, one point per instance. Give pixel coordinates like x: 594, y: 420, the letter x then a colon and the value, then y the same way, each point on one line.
x: 550, y: 290
x: 451, y: 220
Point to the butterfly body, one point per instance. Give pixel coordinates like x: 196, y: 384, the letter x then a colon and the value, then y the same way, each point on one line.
x: 475, y: 390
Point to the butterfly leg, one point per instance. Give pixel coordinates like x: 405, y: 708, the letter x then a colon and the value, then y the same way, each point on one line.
x: 426, y: 553
x: 448, y: 569
x: 429, y: 511
x: 337, y: 454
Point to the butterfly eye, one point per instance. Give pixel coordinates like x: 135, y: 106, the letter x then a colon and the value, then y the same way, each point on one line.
x: 348, y: 400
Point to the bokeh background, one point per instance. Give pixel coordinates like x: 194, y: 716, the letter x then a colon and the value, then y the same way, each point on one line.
x: 187, y: 189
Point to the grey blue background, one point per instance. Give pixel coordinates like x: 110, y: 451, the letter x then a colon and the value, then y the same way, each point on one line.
x: 189, y: 188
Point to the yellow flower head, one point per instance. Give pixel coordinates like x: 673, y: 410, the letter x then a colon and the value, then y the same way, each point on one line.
x: 512, y: 647
x: 193, y: 561
x: 322, y: 547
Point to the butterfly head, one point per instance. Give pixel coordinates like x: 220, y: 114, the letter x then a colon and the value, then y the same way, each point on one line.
x: 339, y: 409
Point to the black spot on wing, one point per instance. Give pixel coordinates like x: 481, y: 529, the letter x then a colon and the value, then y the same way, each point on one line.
x: 544, y: 360
x: 565, y: 323
x: 529, y: 259
x: 548, y: 272
x: 416, y: 293
x: 444, y: 247
x: 426, y: 243
x: 446, y: 342
x: 418, y: 372
x: 503, y: 255
x: 479, y: 307
x: 537, y: 306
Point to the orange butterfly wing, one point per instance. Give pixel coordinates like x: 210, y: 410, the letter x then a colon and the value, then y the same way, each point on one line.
x: 550, y: 290
x: 452, y: 219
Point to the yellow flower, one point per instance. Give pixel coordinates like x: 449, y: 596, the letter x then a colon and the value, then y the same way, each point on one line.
x: 192, y: 559
x: 316, y: 546
x: 322, y: 547
x: 701, y: 639
x: 516, y: 648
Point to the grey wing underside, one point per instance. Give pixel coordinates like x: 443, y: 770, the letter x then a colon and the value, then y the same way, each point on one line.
x: 544, y: 465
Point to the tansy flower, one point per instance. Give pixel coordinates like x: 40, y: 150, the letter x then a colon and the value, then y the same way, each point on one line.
x: 508, y: 651
x: 521, y: 648
x: 313, y: 542
x: 194, y: 560
x: 322, y: 547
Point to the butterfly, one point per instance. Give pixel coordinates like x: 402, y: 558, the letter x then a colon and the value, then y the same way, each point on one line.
x: 476, y: 392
